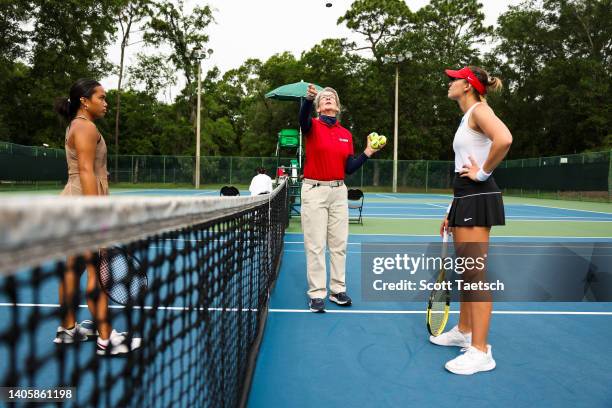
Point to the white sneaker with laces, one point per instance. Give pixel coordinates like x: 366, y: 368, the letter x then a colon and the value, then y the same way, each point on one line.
x: 472, y: 361
x: 453, y: 337
x: 80, y: 332
x: 117, y: 343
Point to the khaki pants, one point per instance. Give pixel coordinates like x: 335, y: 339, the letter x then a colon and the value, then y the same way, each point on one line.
x: 324, y: 215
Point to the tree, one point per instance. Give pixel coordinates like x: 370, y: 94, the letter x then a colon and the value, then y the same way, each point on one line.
x: 68, y: 41
x: 151, y: 74
x: 129, y: 13
x: 14, y: 39
x: 185, y: 33
x: 452, y: 30
x: 13, y: 35
x: 380, y: 22
x: 554, y: 57
x: 557, y: 64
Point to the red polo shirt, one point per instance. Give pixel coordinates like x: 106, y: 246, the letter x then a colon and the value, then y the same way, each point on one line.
x: 327, y: 148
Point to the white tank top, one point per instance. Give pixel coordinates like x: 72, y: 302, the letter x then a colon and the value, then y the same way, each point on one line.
x: 468, y: 142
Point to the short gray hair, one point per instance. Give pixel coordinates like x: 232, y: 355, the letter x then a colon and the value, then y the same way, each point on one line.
x: 327, y: 89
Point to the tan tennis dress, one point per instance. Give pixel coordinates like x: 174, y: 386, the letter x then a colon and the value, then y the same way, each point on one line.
x: 73, y: 186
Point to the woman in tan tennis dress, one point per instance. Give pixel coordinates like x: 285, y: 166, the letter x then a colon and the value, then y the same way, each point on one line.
x: 86, y: 155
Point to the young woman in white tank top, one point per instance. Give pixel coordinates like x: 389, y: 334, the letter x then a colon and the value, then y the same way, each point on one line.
x: 480, y: 144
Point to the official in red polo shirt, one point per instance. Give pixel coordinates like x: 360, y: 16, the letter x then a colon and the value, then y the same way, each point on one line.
x: 324, y: 210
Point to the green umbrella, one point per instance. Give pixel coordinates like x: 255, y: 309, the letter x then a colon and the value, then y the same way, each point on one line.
x: 291, y: 92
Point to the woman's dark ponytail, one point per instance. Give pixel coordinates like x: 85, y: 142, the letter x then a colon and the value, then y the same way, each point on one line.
x: 62, y: 108
x: 67, y: 108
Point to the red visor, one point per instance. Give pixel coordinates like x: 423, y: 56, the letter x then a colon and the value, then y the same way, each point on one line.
x: 468, y: 75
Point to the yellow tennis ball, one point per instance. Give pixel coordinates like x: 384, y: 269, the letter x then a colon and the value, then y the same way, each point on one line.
x: 382, y: 140
x: 373, y: 138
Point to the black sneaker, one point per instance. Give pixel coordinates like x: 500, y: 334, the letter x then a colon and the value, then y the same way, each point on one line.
x: 316, y: 305
x: 341, y: 299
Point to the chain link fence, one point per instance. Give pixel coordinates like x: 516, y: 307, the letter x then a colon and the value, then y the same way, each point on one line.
x: 586, y: 176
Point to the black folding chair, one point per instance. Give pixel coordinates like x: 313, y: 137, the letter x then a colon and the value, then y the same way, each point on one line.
x: 229, y: 191
x: 355, y: 197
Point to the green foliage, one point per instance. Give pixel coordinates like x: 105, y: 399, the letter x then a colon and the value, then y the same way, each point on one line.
x: 554, y: 57
x: 13, y: 35
x: 149, y: 127
x: 380, y: 22
x: 185, y: 33
x: 68, y: 40
x: 151, y: 74
x: 558, y: 66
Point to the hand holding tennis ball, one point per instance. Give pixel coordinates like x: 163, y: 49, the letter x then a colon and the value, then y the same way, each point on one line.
x: 376, y: 141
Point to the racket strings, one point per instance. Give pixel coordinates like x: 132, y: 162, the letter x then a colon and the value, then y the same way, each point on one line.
x: 122, y: 276
x: 437, y: 312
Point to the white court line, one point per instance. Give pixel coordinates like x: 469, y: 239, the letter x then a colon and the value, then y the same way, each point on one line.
x: 404, y: 312
x: 438, y: 235
x: 519, y: 218
x: 401, y: 206
x: 557, y: 255
x: 183, y: 308
x: 495, y: 245
x: 399, y: 235
x: 386, y: 196
x: 302, y: 242
x: 547, y: 218
x: 562, y: 208
x: 354, y: 311
x: 438, y: 205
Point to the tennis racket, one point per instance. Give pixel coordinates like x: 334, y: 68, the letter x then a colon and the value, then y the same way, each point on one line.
x: 121, y: 275
x: 438, y: 307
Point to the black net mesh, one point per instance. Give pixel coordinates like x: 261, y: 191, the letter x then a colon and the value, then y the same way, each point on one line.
x: 199, y: 320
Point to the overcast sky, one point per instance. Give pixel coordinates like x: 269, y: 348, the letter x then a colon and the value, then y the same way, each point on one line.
x: 261, y: 28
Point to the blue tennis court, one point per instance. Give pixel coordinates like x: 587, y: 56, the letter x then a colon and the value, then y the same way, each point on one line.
x: 377, y: 353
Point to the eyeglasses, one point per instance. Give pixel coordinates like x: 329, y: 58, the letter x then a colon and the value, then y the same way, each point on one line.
x: 328, y: 96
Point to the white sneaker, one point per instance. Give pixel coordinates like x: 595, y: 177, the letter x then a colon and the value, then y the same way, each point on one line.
x: 80, y: 332
x: 472, y: 361
x: 117, y: 343
x: 453, y: 337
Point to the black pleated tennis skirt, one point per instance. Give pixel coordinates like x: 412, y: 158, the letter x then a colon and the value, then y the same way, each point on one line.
x: 476, y: 204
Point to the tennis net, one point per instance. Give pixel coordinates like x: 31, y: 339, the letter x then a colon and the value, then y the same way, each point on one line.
x: 210, y: 262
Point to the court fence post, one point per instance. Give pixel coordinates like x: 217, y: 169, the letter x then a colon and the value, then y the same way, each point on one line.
x: 426, y: 175
x: 610, y: 176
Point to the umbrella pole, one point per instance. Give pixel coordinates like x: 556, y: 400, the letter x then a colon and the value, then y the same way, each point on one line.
x: 300, y: 148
